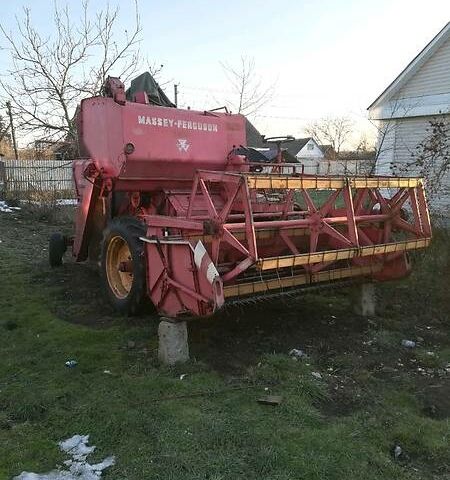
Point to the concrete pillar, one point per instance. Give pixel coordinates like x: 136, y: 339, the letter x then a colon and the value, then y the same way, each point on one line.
x: 365, y: 300
x: 173, y: 342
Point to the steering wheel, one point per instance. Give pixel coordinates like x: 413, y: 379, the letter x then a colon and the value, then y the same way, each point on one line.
x: 280, y: 139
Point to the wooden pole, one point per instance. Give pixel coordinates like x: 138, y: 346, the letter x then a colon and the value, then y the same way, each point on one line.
x: 13, y: 133
x: 175, y: 89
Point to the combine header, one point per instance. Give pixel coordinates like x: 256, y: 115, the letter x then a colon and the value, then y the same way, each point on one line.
x: 180, y: 216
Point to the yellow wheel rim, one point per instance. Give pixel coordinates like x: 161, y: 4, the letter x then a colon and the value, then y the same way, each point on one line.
x: 117, y: 254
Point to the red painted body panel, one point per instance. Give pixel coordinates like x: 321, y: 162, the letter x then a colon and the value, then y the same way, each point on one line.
x: 168, y: 143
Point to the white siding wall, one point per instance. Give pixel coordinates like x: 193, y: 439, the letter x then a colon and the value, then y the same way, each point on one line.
x: 421, y: 97
x: 432, y: 78
x: 405, y: 136
x: 386, y: 146
x: 409, y: 132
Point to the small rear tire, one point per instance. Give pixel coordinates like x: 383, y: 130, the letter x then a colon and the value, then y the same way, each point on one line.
x: 56, y: 249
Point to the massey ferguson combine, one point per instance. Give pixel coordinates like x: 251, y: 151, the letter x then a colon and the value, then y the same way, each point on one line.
x: 182, y: 216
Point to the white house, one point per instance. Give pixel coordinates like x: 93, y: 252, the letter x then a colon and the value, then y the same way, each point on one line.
x: 403, y: 111
x: 307, y: 152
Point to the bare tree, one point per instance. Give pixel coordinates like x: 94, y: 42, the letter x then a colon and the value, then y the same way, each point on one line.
x: 156, y: 70
x: 364, y: 145
x: 249, y: 91
x: 6, y: 148
x: 50, y: 75
x: 383, y: 144
x: 386, y: 131
x: 334, y: 131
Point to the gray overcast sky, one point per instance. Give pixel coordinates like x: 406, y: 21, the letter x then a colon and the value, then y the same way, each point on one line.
x: 327, y: 57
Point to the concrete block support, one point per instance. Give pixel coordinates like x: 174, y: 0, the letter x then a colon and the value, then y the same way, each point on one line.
x: 173, y: 342
x: 365, y: 299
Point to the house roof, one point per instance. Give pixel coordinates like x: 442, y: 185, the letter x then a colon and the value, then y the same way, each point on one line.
x: 295, y: 146
x: 290, y: 149
x: 269, y: 154
x: 413, y: 66
x: 324, y: 148
x: 254, y: 137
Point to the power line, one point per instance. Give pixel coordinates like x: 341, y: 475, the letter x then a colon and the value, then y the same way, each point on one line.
x: 279, y: 117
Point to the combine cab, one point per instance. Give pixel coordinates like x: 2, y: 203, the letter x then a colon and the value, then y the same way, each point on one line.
x: 181, y: 218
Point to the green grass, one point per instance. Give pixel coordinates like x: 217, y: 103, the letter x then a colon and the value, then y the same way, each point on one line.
x: 319, y: 197
x: 209, y: 425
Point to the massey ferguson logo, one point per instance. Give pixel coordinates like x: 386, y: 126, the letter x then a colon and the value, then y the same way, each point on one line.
x: 183, y: 145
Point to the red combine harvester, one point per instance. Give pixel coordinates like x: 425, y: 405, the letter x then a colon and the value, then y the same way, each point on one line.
x: 180, y: 216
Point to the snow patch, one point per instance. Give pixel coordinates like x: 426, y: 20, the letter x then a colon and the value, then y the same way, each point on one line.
x: 78, y: 467
x: 67, y: 201
x: 5, y: 208
x: 58, y: 202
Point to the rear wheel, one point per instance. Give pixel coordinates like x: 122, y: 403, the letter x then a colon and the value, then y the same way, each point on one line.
x: 56, y: 249
x: 123, y: 265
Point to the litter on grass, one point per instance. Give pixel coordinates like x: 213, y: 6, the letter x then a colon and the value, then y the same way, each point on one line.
x: 297, y: 353
x: 71, y: 363
x: 270, y: 400
x: 78, y: 467
x: 408, y: 343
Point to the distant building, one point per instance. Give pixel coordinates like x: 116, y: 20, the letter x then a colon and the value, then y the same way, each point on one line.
x: 307, y: 152
x: 304, y: 151
x: 313, y: 158
x: 404, y: 109
x: 53, y: 150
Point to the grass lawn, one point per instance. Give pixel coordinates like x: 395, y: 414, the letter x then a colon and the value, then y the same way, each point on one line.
x: 373, y: 394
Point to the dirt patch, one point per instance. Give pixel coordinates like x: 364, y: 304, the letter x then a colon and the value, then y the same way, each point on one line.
x: 345, y: 396
x: 435, y: 398
x: 74, y: 289
x: 311, y: 323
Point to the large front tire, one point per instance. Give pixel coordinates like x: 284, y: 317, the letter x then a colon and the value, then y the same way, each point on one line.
x: 123, y: 265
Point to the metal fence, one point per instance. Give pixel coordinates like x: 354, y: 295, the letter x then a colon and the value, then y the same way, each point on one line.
x: 25, y: 177
x: 352, y: 166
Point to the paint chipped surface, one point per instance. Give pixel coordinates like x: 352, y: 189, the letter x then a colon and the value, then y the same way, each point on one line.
x: 77, y: 467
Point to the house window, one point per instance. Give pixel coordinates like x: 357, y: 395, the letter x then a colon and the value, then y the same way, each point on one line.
x: 310, y: 146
